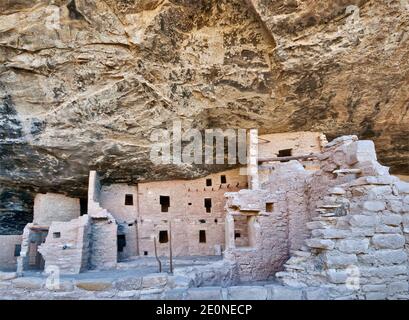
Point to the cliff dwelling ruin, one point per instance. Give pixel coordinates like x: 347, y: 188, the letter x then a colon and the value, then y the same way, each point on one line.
x: 302, y: 212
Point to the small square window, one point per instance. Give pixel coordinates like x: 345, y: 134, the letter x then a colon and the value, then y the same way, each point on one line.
x: 237, y: 235
x: 208, y: 182
x: 269, y: 207
x: 56, y: 235
x: 145, y: 253
x: 285, y: 153
x: 129, y: 199
x: 163, y: 236
x: 223, y: 179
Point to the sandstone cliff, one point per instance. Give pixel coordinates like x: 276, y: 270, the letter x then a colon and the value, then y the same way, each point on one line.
x: 84, y: 82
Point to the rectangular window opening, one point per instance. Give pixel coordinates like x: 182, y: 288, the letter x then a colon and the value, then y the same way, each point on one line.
x: 223, y: 179
x: 83, y: 206
x: 56, y: 235
x: 129, y: 199
x: 17, y: 250
x: 145, y: 253
x: 163, y: 236
x: 202, y: 236
x: 269, y: 207
x: 208, y: 204
x: 237, y: 235
x: 164, y: 203
x: 208, y: 182
x: 285, y: 153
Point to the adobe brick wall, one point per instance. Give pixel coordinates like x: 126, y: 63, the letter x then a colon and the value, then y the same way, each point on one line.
x: 51, y: 207
x: 187, y: 213
x: 8, y: 244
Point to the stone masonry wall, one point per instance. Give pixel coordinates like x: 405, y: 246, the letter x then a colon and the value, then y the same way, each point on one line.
x: 358, y: 247
x: 187, y: 214
x: 8, y: 260
x: 55, y: 207
x: 67, y: 246
x: 295, y: 195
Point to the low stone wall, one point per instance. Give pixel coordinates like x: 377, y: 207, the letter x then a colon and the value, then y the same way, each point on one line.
x: 160, y: 286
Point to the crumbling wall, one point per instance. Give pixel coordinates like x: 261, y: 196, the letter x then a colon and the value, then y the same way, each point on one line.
x: 67, y: 245
x: 103, y: 243
x: 296, y: 196
x: 51, y: 207
x: 359, y: 243
x: 8, y: 257
x: 278, y: 211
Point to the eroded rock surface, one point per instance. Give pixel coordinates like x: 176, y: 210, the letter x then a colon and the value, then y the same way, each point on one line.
x: 84, y: 83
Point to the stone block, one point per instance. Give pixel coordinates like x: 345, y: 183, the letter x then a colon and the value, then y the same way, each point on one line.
x: 129, y: 283
x: 353, y: 246
x: 337, y: 276
x: 151, y: 294
x: 316, y: 294
x: 374, y: 205
x: 175, y: 294
x: 390, y: 256
x: 392, y: 219
x: 337, y: 191
x: 247, y: 293
x: 363, y: 220
x: 320, y: 243
x: 179, y: 281
x: 360, y: 151
x: 383, y: 272
x: 388, y: 241
x: 337, y: 259
x: 330, y: 233
x: 7, y: 276
x: 388, y: 229
x: 316, y: 225
x: 128, y: 294
x: 157, y: 280
x: 277, y: 292
x: 398, y: 287
x: 94, y: 284
x: 395, y: 206
x: 30, y: 283
x: 402, y: 187
x: 63, y: 286
x: 376, y: 296
x: 204, y: 293
x: 374, y: 288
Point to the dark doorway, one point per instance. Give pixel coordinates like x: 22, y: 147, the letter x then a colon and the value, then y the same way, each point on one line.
x: 83, y: 206
x: 164, y: 203
x: 35, y: 259
x: 202, y: 236
x: 121, y: 241
x: 208, y: 204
